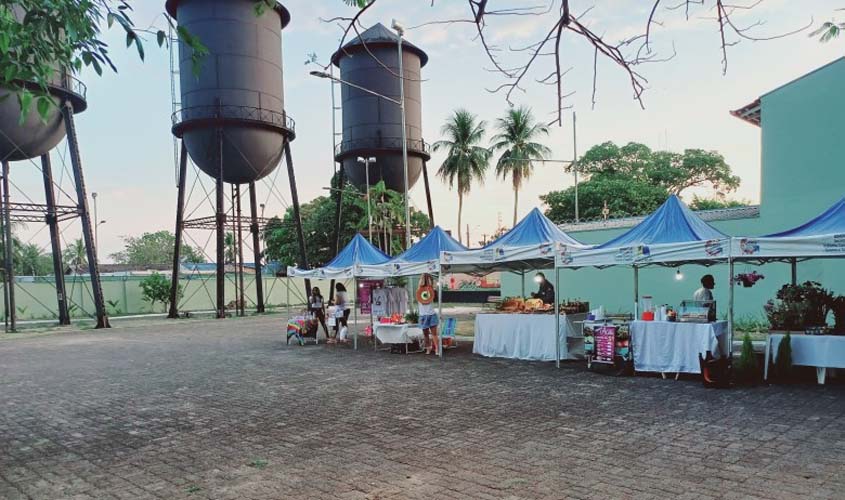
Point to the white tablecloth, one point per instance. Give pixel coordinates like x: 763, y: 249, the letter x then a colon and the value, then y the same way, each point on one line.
x: 662, y: 346
x: 519, y: 336
x: 822, y: 351
x: 397, y: 334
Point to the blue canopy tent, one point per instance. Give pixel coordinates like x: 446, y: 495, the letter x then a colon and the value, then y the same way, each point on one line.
x: 347, y: 264
x: 671, y: 236
x: 531, y: 244
x: 423, y: 257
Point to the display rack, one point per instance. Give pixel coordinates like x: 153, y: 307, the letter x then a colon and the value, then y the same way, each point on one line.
x: 608, y: 343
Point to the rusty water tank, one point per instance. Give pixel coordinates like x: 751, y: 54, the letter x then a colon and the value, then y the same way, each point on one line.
x: 372, y: 126
x: 238, y: 92
x: 35, y: 137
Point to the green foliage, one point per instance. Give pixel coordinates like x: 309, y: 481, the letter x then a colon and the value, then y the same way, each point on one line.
x: 624, y: 198
x: 30, y: 260
x: 799, y: 306
x: 466, y: 162
x: 747, y: 362
x: 115, y: 306
x: 517, y: 134
x: 39, y: 36
x: 828, y: 31
x: 156, y: 288
x: 76, y: 257
x: 751, y: 324
x: 783, y: 364
x: 154, y: 248
x: 634, y: 180
x: 714, y: 203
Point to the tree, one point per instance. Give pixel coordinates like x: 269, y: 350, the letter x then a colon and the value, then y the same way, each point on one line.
x: 76, y: 257
x: 30, y: 260
x: 675, y: 172
x: 465, y: 161
x: 156, y: 288
x: 715, y: 203
x: 829, y: 30
x: 517, y: 132
x: 623, y: 197
x: 154, y: 248
x: 230, y: 255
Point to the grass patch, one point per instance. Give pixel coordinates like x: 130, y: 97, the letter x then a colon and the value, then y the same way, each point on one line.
x: 259, y: 463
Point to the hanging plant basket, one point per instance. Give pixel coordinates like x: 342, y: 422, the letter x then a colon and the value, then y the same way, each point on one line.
x: 747, y: 280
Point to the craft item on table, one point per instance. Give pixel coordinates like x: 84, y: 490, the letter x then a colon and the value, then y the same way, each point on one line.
x: 533, y: 304
x: 513, y: 304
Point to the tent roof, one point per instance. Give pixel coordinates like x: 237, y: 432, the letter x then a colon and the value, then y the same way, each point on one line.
x: 534, y: 229
x: 830, y: 221
x: 429, y: 248
x: 673, y: 222
x: 358, y: 251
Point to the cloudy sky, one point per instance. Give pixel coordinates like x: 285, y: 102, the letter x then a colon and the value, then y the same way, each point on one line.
x: 127, y: 146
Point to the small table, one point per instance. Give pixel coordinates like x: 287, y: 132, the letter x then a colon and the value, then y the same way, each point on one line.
x: 522, y: 336
x: 673, y: 347
x: 821, y: 351
x: 404, y: 333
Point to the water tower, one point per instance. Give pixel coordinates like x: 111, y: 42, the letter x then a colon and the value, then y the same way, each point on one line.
x: 231, y: 120
x: 34, y: 137
x: 372, y: 125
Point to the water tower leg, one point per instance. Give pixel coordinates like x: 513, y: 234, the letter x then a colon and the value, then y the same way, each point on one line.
x: 85, y: 216
x: 256, y: 249
x: 11, y: 312
x: 428, y: 197
x: 177, y: 245
x: 221, y: 229
x: 338, y: 212
x: 240, y: 242
x: 55, y: 243
x: 296, y: 217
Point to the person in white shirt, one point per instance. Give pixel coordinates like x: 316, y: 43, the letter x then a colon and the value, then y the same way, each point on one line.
x: 704, y: 293
x: 341, y: 307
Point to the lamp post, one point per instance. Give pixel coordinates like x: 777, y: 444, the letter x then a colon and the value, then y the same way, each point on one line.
x: 400, y: 30
x: 366, y: 162
x: 97, y: 224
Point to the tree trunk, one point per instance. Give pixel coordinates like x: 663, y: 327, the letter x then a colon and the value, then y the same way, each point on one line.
x: 460, y: 208
x: 515, y: 203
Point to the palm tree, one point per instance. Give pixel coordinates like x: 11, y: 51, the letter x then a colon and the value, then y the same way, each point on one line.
x: 517, y: 133
x: 76, y: 256
x: 465, y: 161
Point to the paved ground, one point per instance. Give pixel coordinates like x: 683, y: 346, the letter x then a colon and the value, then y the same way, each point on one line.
x: 205, y: 409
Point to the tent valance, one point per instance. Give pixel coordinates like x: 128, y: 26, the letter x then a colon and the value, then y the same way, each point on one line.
x: 347, y: 264
x: 423, y: 257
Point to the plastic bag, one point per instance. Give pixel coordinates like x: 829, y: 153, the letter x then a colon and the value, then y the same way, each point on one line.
x: 343, y: 335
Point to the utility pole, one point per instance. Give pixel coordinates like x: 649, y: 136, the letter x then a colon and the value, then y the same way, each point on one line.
x: 575, y: 164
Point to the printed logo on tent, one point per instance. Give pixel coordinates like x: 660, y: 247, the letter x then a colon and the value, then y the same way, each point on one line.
x: 359, y: 269
x: 432, y: 265
x: 836, y: 244
x: 322, y: 273
x: 493, y: 254
x: 748, y: 246
x: 396, y: 267
x: 545, y: 249
x: 564, y: 254
x: 714, y: 248
x: 447, y: 257
x: 630, y: 254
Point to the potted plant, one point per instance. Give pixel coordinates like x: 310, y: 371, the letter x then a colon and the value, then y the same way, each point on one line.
x: 837, y: 305
x: 799, y: 306
x: 746, y: 366
x: 747, y: 280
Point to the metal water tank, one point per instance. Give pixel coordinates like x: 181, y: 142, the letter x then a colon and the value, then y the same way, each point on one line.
x: 238, y: 92
x: 35, y: 137
x: 372, y: 126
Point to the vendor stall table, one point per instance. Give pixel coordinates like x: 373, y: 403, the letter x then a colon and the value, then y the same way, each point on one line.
x: 673, y: 347
x: 521, y: 336
x: 821, y: 351
x: 398, y: 333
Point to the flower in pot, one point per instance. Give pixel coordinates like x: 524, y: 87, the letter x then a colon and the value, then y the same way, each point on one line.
x: 747, y: 280
x: 799, y: 306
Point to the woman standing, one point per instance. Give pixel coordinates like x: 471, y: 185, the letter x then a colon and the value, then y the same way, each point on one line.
x: 317, y: 307
x: 341, y: 302
x: 428, y: 318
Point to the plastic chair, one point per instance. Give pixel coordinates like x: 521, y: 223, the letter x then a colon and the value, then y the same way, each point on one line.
x: 448, y: 332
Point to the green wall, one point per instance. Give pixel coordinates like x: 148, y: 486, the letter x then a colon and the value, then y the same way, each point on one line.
x: 803, y: 173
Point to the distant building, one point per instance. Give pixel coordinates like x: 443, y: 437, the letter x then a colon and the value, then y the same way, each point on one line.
x: 802, y: 173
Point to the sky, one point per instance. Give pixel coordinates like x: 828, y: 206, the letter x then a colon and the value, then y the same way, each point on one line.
x: 127, y: 147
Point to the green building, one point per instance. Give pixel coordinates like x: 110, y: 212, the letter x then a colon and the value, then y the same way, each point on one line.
x: 802, y: 173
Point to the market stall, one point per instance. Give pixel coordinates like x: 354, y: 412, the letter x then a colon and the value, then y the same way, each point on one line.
x: 672, y: 235
x: 347, y: 264
x: 529, y: 245
x: 822, y: 237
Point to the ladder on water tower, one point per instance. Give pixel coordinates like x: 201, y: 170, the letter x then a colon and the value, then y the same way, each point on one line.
x: 173, y: 44
x: 337, y: 135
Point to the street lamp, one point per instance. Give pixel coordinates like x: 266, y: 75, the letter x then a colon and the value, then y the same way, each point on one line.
x: 97, y: 223
x: 366, y: 162
x: 401, y: 103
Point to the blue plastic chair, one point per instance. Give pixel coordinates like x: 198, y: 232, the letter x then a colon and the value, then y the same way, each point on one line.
x: 448, y: 331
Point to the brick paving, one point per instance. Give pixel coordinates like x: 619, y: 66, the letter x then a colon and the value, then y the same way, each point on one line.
x: 204, y: 409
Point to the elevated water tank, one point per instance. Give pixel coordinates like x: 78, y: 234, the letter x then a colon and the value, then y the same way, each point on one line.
x: 238, y: 89
x: 35, y: 137
x: 372, y: 126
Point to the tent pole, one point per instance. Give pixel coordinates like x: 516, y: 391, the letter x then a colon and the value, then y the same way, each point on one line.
x: 287, y: 295
x: 522, y: 273
x: 731, y: 310
x: 636, y: 292
x: 557, y: 317
x: 355, y: 316
x: 794, y: 264
x: 440, y: 313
